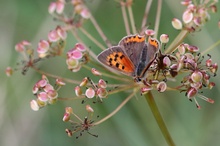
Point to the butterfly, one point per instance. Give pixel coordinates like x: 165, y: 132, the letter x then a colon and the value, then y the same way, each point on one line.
x: 132, y: 56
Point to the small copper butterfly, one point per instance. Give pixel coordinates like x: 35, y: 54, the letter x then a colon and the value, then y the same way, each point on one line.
x: 132, y: 56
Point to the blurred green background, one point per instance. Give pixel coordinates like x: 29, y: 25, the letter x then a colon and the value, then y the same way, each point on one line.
x: 134, y: 123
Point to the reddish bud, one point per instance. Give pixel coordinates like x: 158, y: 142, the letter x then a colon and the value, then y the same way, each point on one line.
x: 191, y: 92
x: 78, y: 91
x: 102, y: 83
x: 53, y: 36
x: 162, y: 86
x: 66, y: 117
x: 60, y: 82
x: 89, y: 109
x: 9, y: 71
x: 149, y: 32
x: 95, y: 72
x: 80, y: 47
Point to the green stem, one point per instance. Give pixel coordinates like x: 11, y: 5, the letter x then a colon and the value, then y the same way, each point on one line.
x: 125, y: 18
x: 152, y: 104
x: 131, y: 17
x: 210, y: 48
x: 176, y: 41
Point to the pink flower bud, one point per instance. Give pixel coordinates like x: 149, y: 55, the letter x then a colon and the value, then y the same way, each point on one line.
x: 9, y: 71
x: 61, y: 32
x: 69, y: 110
x: 149, y: 32
x: 52, y: 94
x: 90, y: 93
x: 191, y: 92
x: 102, y: 83
x: 181, y: 48
x: 80, y: 47
x: 211, y: 85
x: 43, y: 47
x: 177, y: 24
x: 84, y: 82
x: 59, y: 7
x: 35, y: 89
x: 34, y: 105
x: 209, y: 62
x: 187, y: 16
x: 166, y: 61
x: 186, y: 2
x: 53, y: 36
x: 197, y: 21
x: 78, y: 91
x: 85, y: 13
x: 102, y: 92
x: 214, y: 68
x: 196, y: 76
x: 60, y: 82
x: 162, y: 86
x: 42, y: 83
x: 42, y: 96
x: 52, y: 7
x: 164, y: 38
x: 146, y: 89
x: 69, y: 132
x: 96, y: 72
x: 75, y: 54
x: 19, y: 47
x: 66, y: 117
x: 193, y: 48
x: 89, y: 109
x: 25, y: 43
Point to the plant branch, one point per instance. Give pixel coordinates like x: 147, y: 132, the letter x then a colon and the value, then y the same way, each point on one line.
x: 125, y: 18
x: 146, y: 12
x: 115, y: 111
x: 157, y: 21
x: 211, y: 47
x: 100, y: 31
x: 92, y: 38
x: 55, y: 76
x: 176, y: 41
x: 131, y: 17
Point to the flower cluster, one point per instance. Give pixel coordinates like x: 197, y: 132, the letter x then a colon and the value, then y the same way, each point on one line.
x: 54, y: 45
x: 195, y: 15
x: 199, y: 72
x: 80, y: 11
x: 92, y: 90
x: 82, y: 125
x: 45, y: 93
x: 177, y: 59
x: 76, y: 57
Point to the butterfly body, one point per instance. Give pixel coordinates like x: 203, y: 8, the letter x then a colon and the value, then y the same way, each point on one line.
x: 132, y: 56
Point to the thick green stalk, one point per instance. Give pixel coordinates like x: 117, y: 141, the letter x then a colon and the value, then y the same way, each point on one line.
x: 152, y: 104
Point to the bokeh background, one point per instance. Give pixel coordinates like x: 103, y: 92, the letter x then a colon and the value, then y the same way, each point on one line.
x: 134, y: 123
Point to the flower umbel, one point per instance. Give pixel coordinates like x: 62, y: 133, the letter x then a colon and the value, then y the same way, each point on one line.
x: 144, y: 68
